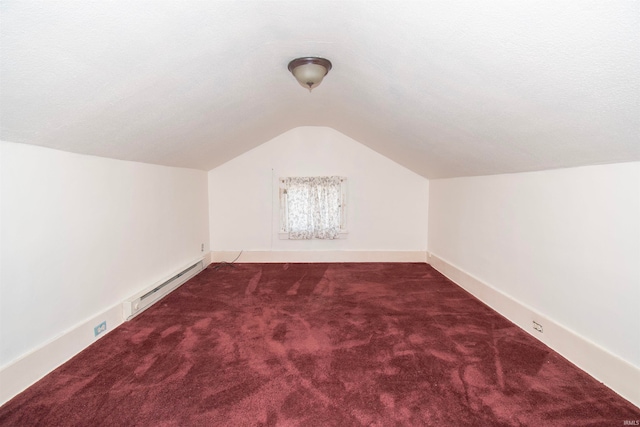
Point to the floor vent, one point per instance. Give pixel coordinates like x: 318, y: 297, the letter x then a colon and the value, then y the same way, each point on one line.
x: 145, y: 299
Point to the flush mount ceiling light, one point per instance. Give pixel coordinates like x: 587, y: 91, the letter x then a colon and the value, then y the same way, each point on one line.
x: 309, y: 71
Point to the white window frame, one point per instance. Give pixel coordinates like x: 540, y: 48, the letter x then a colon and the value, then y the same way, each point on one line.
x: 283, y: 233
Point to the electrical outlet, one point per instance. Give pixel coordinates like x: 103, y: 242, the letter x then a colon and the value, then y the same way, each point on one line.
x: 102, y: 327
x: 202, y: 248
x: 537, y: 326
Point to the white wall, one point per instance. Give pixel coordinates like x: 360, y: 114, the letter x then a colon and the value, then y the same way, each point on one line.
x: 387, y: 203
x: 563, y: 242
x: 80, y: 234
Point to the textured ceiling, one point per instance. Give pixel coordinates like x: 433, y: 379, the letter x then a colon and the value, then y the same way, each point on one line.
x: 445, y: 88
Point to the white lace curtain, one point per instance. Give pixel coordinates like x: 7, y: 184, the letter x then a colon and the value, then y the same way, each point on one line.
x: 313, y: 207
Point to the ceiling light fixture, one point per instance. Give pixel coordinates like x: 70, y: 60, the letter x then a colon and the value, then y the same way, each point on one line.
x: 309, y: 71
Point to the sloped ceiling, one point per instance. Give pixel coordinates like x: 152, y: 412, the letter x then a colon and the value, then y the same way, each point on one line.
x: 445, y: 88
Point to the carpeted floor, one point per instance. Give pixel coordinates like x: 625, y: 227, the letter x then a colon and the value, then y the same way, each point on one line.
x: 318, y: 345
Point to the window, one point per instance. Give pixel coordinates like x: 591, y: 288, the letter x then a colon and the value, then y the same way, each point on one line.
x: 313, y: 207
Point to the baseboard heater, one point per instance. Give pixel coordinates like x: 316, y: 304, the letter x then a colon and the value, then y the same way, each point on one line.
x: 145, y: 299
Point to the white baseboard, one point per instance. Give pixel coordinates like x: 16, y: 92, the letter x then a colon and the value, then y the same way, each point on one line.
x: 34, y: 365
x: 31, y: 367
x: 206, y: 259
x: 616, y: 373
x: 319, y: 256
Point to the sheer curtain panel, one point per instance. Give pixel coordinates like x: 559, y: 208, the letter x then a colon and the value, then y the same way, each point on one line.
x: 312, y: 207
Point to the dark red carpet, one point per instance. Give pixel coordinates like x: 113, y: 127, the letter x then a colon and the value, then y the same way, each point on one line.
x: 318, y: 345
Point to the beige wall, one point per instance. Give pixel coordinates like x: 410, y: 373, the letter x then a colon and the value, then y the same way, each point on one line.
x: 565, y: 243
x: 81, y: 233
x: 387, y: 203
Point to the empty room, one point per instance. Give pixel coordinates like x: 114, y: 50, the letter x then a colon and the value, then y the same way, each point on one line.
x: 296, y: 213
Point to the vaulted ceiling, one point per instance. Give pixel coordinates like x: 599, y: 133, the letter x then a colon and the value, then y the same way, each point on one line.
x: 445, y: 88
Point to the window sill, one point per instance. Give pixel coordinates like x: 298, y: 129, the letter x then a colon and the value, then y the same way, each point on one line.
x: 285, y: 236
